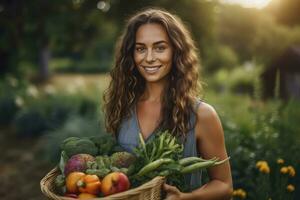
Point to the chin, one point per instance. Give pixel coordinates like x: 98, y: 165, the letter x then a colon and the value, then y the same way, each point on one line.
x: 157, y: 78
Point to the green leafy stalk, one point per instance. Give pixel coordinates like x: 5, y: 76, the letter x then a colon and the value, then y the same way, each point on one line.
x: 143, y: 146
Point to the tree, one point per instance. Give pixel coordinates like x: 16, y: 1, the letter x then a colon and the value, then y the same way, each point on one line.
x: 35, y: 29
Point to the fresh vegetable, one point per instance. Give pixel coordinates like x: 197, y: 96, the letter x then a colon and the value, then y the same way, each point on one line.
x: 191, y: 160
x: 89, y: 184
x: 164, y: 145
x: 114, y: 182
x: 153, y: 165
x: 75, y: 145
x: 100, y: 167
x: 75, y: 196
x: 60, y: 181
x: 71, y: 181
x: 113, y: 170
x: 77, y: 162
x: 99, y: 172
x: 202, y: 165
x: 106, y: 144
x: 162, y: 156
x: 86, y: 196
x: 122, y: 159
x: 63, y: 161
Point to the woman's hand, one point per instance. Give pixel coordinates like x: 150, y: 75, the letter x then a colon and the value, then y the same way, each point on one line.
x: 173, y: 192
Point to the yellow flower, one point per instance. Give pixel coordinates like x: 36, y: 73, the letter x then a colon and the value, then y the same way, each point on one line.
x: 240, y: 193
x: 280, y: 161
x: 291, y: 171
x: 284, y: 170
x: 263, y: 167
x: 260, y: 163
x: 290, y: 187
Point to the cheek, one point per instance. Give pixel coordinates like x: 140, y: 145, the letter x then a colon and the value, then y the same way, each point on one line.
x: 167, y: 58
x: 137, y: 58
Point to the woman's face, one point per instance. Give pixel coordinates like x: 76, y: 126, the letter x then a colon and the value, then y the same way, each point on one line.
x: 153, y: 52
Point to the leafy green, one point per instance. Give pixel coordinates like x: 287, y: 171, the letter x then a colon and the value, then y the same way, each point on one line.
x: 106, y: 144
x: 76, y: 145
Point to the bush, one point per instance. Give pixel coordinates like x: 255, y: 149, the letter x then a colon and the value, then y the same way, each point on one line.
x: 255, y: 131
x: 239, y: 80
x: 11, y: 101
x: 48, y: 112
x: 30, y: 123
x: 65, y: 65
x: 220, y: 57
x: 75, y: 126
x: 8, y: 110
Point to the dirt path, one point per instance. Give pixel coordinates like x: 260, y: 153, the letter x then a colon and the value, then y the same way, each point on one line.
x: 20, y: 170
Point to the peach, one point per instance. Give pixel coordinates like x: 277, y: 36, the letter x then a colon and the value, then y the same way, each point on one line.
x: 114, y: 182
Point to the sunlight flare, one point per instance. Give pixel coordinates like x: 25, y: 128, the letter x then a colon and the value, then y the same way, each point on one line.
x: 249, y: 3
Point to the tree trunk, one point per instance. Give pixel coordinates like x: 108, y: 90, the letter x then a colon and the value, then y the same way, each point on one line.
x: 44, y: 58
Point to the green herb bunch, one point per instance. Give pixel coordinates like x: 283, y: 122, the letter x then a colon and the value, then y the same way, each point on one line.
x: 162, y: 156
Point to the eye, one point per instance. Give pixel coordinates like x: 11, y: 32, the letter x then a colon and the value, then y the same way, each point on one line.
x: 140, y: 49
x: 160, y: 48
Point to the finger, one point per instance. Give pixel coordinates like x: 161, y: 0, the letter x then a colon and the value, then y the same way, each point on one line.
x: 169, y: 188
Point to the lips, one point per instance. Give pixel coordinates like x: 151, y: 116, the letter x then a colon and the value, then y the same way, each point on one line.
x: 151, y: 69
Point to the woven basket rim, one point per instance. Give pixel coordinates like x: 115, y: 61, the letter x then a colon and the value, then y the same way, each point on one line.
x: 46, y: 180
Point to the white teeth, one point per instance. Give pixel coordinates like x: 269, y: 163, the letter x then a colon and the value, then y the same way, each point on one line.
x: 151, y: 69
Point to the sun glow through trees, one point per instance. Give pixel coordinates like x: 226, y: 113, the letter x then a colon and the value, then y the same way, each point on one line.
x: 249, y: 3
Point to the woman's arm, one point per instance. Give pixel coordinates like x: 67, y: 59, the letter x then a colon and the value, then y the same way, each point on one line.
x: 210, y: 143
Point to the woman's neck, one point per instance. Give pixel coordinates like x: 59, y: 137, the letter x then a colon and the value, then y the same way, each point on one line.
x: 153, y: 92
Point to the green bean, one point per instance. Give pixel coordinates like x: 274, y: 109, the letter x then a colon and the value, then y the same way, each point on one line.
x: 164, y: 173
x: 191, y: 160
x: 153, y: 165
x: 161, y: 142
x: 201, y: 165
x: 196, y: 166
x: 165, y: 153
x: 153, y: 152
x: 143, y: 145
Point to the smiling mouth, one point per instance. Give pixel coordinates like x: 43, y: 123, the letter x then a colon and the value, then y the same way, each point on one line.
x: 151, y: 69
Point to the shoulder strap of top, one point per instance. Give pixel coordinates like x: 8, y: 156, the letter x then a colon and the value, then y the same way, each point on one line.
x: 197, y: 104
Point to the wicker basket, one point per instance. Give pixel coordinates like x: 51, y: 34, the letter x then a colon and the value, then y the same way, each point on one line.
x: 148, y: 191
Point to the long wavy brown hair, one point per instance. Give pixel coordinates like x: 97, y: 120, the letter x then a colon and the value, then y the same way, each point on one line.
x: 127, y: 85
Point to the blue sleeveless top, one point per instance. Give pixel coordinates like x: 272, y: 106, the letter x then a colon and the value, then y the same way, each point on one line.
x: 128, y: 138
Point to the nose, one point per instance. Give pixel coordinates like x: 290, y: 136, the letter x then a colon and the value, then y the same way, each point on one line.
x: 150, y: 57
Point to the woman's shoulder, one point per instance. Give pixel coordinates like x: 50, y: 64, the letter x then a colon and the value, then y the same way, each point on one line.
x: 208, y: 122
x: 206, y: 113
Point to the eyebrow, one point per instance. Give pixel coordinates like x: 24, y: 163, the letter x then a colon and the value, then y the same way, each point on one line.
x: 155, y: 43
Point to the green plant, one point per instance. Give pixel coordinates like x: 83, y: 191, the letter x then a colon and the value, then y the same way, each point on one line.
x: 8, y: 109
x: 30, y: 122
x: 75, y: 126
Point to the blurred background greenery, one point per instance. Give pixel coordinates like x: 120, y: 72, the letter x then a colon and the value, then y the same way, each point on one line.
x: 54, y: 62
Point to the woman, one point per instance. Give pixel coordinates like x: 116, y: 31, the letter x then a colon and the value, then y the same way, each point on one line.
x: 154, y: 87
